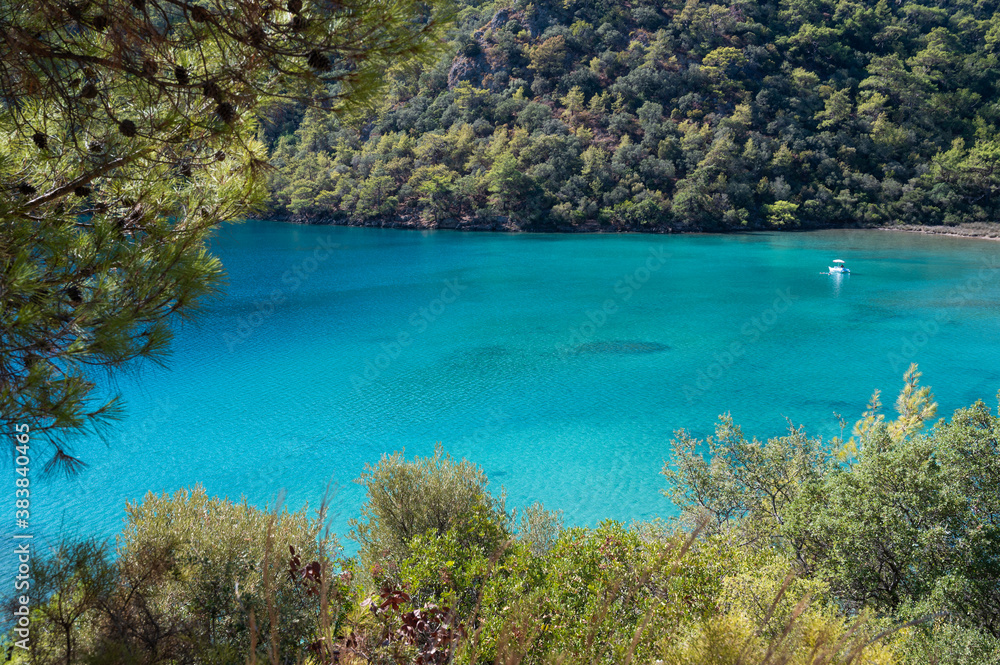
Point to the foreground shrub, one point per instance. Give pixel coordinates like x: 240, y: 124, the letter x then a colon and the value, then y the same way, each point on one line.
x: 879, y: 550
x: 224, y: 561
x: 616, y: 594
x: 433, y: 495
x: 899, y: 521
x: 944, y: 641
x: 75, y: 579
x: 196, y: 580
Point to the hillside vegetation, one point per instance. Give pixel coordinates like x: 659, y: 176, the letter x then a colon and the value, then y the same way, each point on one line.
x: 589, y: 114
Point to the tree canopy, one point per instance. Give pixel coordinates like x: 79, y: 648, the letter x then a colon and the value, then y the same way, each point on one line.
x: 683, y: 115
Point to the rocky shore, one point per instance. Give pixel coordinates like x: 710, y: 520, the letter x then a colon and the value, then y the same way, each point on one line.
x: 984, y: 230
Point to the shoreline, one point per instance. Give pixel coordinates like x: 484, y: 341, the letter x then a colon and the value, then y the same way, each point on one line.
x: 948, y: 231
x: 971, y: 230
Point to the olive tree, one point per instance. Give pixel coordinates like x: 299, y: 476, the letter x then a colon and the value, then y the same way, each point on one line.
x: 432, y: 495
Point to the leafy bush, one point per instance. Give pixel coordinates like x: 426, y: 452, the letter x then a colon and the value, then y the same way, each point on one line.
x: 540, y: 528
x: 196, y: 579
x: 224, y: 560
x: 881, y: 549
x: 435, y: 495
x: 903, y: 525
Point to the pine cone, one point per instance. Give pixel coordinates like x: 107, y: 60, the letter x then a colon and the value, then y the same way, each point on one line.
x: 181, y: 75
x: 256, y: 36
x: 318, y: 61
x: 212, y: 89
x: 127, y: 128
x: 82, y: 191
x: 41, y: 140
x: 226, y: 112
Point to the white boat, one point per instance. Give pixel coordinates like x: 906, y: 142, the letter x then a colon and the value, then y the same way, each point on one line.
x: 838, y: 267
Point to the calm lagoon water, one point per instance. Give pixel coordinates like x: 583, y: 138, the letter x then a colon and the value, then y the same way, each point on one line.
x: 560, y: 363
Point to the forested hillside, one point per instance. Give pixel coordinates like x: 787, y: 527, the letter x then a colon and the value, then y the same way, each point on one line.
x: 609, y: 114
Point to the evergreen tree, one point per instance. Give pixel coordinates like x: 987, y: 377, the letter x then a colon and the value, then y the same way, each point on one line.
x: 127, y: 133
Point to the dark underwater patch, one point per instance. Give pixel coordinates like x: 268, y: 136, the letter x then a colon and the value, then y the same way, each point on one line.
x: 622, y: 346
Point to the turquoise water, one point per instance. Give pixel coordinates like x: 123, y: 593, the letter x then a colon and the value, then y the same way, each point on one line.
x: 560, y: 363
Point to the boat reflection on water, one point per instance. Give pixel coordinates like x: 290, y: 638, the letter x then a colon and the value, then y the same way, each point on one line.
x: 837, y: 271
x: 838, y: 281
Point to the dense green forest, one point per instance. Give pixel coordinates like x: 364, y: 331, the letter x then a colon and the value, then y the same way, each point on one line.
x: 881, y: 548
x: 668, y: 116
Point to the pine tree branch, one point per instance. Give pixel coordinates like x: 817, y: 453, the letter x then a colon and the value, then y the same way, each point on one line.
x: 73, y: 184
